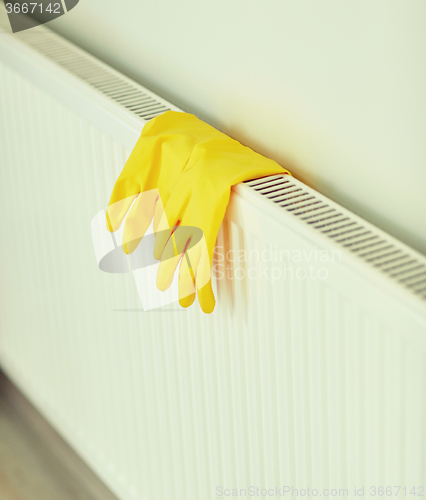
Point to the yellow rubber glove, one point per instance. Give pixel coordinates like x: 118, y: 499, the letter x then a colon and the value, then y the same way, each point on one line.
x: 179, y: 153
x: 160, y: 155
x: 198, y: 201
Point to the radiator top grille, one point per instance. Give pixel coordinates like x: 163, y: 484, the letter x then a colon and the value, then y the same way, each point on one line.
x: 385, y: 254
x: 126, y: 93
x: 347, y: 231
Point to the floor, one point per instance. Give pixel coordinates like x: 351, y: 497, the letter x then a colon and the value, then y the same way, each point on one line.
x: 35, y: 462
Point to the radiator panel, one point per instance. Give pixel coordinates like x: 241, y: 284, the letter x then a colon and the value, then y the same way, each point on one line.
x: 304, y: 383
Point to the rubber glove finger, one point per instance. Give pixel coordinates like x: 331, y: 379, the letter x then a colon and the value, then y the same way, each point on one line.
x: 206, y: 298
x: 200, y: 263
x: 162, y: 229
x: 138, y: 220
x: 166, y: 221
x: 171, y: 256
x: 186, y: 282
x: 203, y: 280
x: 116, y: 212
x: 122, y: 197
x: 162, y: 236
x: 189, y: 264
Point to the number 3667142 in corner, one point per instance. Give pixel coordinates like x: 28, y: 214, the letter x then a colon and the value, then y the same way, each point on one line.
x: 24, y: 15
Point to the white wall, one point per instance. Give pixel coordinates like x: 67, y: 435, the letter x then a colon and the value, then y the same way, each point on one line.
x: 334, y: 89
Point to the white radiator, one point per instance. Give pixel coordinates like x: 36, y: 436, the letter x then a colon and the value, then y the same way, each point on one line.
x: 311, y: 371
